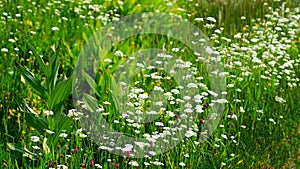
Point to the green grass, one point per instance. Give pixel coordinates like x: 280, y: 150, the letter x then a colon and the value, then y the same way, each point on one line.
x: 265, y: 133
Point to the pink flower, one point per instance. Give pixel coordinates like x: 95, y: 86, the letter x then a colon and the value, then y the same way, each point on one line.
x: 92, y: 163
x: 202, y: 120
x: 128, y: 153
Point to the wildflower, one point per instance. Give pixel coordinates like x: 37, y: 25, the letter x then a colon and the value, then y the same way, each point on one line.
x: 119, y: 53
x: 186, y: 155
x: 106, y: 103
x: 212, y: 19
x: 62, y: 167
x: 159, y: 124
x: 36, y: 147
x: 35, y: 139
x: 224, y: 136
x: 199, y: 19
x: 182, y: 164
x: 279, y: 99
x: 48, y: 112
x: 49, y: 131
x: 133, y: 163
x: 64, y: 135
x: 108, y: 60
x: 55, y: 28
x: 92, y: 163
x: 4, y: 50
x: 157, y: 163
x: 201, y: 120
x: 242, y: 110
x: 98, y: 166
x: 190, y: 133
x: 230, y: 85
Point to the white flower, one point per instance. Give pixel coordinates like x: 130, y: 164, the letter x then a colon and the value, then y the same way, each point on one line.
x: 119, y: 53
x: 64, y: 135
x: 107, y: 60
x: 272, y: 120
x: 36, y: 147
x: 98, y: 166
x: 192, y: 85
x: 49, y: 131
x: 74, y: 113
x: 279, y: 99
x: 55, y: 28
x: 133, y: 163
x: 157, y: 163
x: 82, y: 135
x: 182, y: 164
x: 100, y: 109
x: 224, y: 136
x: 35, y: 139
x: 190, y: 133
x: 62, y: 167
x: 4, y: 50
x: 142, y: 96
x: 175, y: 49
x: 212, y: 19
x: 48, y: 112
x: 242, y: 110
x: 230, y: 85
x: 159, y: 124
x: 199, y: 19
x: 11, y: 40
x: 107, y: 103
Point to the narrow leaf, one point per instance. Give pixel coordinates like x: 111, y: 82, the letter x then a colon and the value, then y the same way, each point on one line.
x: 37, y: 56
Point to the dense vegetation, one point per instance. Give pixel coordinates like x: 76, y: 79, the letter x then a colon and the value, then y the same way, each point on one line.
x: 257, y: 42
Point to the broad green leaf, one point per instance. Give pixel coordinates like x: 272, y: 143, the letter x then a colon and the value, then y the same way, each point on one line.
x: 34, y: 82
x: 60, y: 93
x: 90, y: 102
x: 61, y: 123
x: 36, y: 122
x: 32, y: 117
x: 91, y: 83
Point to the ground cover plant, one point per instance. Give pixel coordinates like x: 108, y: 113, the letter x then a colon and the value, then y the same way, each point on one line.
x: 257, y: 43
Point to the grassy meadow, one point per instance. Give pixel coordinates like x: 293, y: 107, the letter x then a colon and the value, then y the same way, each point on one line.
x: 256, y: 41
